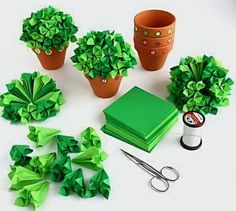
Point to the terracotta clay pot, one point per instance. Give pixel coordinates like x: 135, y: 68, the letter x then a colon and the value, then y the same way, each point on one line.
x: 152, y: 58
x: 154, y: 23
x: 105, y: 88
x: 154, y: 42
x: 52, y: 60
x: 149, y: 27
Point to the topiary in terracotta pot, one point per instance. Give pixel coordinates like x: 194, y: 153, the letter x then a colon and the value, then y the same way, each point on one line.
x: 104, y: 57
x: 48, y: 33
x: 151, y: 27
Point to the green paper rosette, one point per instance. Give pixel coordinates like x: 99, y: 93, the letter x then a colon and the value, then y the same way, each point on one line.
x: 199, y: 84
x: 34, y: 97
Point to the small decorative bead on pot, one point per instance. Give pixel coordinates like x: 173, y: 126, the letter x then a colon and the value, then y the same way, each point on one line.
x: 153, y: 58
x: 105, y: 88
x: 154, y: 23
x: 154, y: 42
x: 51, y: 60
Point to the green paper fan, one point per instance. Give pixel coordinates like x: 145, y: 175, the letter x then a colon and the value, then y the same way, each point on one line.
x: 33, y: 97
x: 199, y: 84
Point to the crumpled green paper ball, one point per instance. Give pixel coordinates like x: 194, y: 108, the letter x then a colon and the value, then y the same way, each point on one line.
x: 199, y: 84
x: 48, y: 28
x: 34, y: 97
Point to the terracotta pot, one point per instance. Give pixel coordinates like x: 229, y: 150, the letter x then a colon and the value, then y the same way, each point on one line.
x: 105, y: 88
x: 153, y: 58
x: 154, y: 42
x: 154, y: 23
x: 53, y: 60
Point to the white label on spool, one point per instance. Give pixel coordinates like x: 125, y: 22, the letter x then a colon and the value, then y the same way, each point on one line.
x: 193, y: 119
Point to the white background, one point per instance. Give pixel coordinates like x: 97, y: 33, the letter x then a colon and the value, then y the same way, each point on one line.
x: 208, y: 176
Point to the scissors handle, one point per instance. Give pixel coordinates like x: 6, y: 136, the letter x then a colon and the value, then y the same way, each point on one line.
x: 164, y: 178
x: 168, y: 169
x: 156, y: 187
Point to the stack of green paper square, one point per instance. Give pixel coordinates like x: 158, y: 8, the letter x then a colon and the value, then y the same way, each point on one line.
x: 139, y: 118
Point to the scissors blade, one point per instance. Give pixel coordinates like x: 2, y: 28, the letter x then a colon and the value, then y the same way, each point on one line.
x: 132, y: 157
x: 143, y: 165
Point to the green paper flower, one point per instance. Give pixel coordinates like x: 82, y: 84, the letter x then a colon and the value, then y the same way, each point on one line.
x: 104, y: 54
x: 67, y: 144
x: 32, y: 195
x: 29, y: 175
x: 60, y: 168
x: 42, y: 164
x: 89, y: 138
x: 73, y: 182
x: 41, y: 135
x: 19, y: 154
x: 199, y: 84
x: 33, y: 97
x: 21, y: 176
x: 48, y: 28
x: 99, y: 183
x: 92, y: 158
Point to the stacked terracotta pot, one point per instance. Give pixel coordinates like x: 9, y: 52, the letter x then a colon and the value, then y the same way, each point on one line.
x: 153, y: 37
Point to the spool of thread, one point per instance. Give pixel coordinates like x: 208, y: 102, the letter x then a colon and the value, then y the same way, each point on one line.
x: 192, y: 135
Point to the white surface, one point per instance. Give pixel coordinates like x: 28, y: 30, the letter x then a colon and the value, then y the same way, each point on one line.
x: 208, y: 176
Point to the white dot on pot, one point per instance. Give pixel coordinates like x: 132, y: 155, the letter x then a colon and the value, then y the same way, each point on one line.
x: 153, y: 52
x: 48, y: 52
x: 37, y: 51
x: 169, y: 41
x: 158, y: 34
x: 145, y: 42
x: 136, y: 28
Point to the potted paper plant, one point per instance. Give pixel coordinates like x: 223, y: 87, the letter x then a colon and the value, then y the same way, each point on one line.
x: 104, y: 58
x: 48, y: 33
x: 199, y: 84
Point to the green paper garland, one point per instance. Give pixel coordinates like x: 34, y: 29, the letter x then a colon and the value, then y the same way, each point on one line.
x: 48, y: 28
x: 104, y: 54
x: 32, y: 98
x: 199, y: 84
x: 29, y: 175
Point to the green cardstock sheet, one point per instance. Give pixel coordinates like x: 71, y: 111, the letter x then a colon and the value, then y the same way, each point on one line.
x: 139, y: 118
x: 135, y: 141
x: 147, y: 139
x: 140, y: 111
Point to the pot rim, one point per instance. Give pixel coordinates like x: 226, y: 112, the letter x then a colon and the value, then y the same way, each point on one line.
x: 89, y: 78
x: 156, y: 10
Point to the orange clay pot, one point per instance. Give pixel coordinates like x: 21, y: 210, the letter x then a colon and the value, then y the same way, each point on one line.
x: 105, y: 88
x: 154, y: 23
x: 152, y: 58
x: 51, y: 61
x: 154, y: 42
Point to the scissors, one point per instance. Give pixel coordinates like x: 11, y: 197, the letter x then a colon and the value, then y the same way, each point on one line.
x: 157, y: 175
